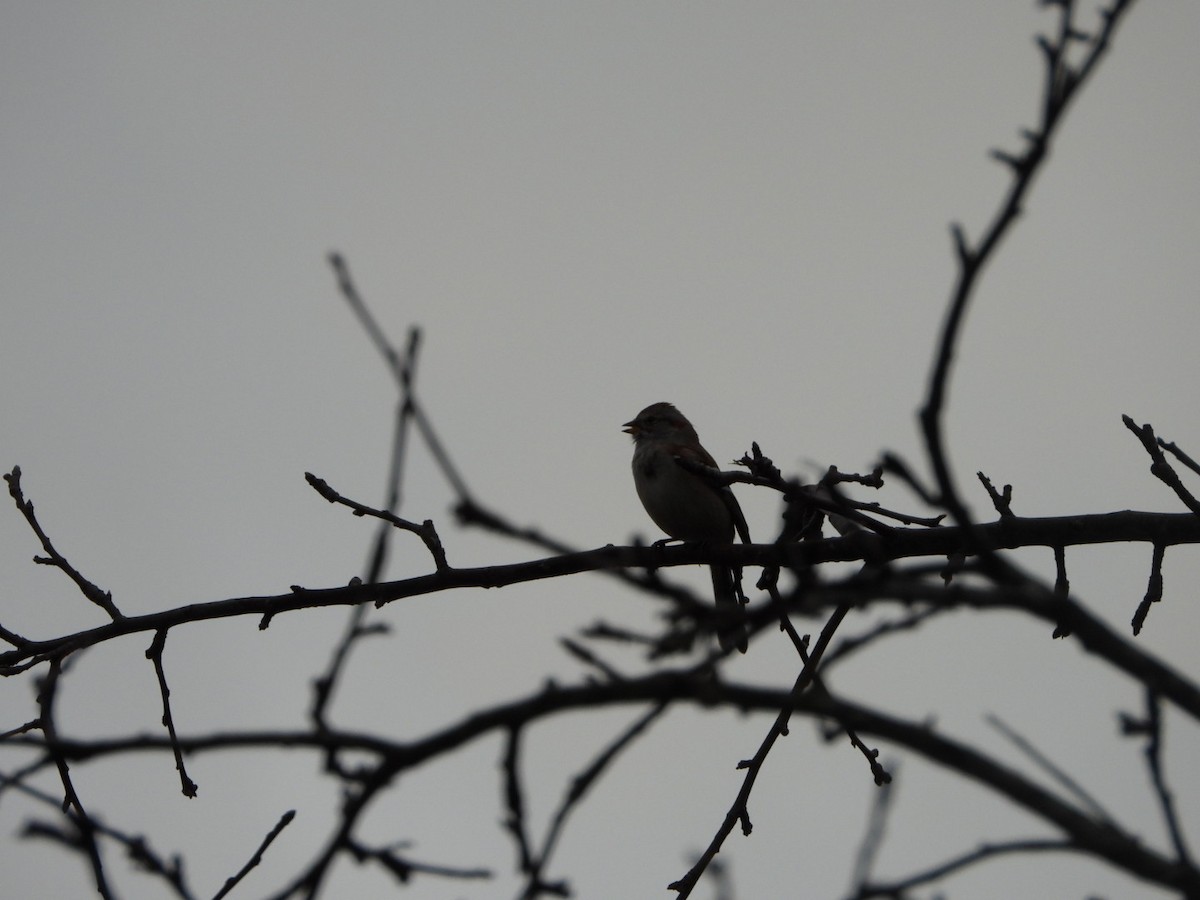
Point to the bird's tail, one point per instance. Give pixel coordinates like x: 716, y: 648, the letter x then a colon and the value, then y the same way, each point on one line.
x: 731, y: 631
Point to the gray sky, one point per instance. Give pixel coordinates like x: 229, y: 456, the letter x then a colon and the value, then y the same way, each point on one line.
x: 742, y: 209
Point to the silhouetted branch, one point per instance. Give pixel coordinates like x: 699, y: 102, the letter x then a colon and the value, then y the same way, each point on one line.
x: 101, y: 598
x: 739, y: 811
x: 71, y: 804
x: 1159, y: 467
x: 1062, y: 82
x: 1057, y: 772
x: 872, y: 840
x: 897, y: 888
x: 425, y: 531
x: 1151, y: 726
x: 231, y: 883
x: 1167, y: 529
x: 403, y: 868
x: 154, y: 654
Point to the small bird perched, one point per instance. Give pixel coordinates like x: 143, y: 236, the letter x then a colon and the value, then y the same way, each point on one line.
x: 683, y: 504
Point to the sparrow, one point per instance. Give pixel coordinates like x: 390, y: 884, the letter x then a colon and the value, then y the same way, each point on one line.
x: 683, y: 504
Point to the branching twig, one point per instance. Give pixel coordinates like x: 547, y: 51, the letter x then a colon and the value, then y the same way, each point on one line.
x: 1062, y: 82
x: 739, y: 811
x: 580, y: 785
x: 1100, y: 840
x: 1152, y: 727
x: 101, y: 598
x: 71, y: 803
x: 425, y: 531
x: 1126, y: 526
x: 1001, y: 500
x: 137, y: 848
x: 1159, y: 467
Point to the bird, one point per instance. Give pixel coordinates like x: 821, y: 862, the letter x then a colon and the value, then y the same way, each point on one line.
x: 685, y: 505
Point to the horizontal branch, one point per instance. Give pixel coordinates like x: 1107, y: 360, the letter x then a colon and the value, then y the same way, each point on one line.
x: 1166, y: 529
x: 1102, y: 840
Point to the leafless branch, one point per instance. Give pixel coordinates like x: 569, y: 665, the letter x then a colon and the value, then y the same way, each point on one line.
x: 155, y: 654
x: 231, y: 883
x: 101, y: 598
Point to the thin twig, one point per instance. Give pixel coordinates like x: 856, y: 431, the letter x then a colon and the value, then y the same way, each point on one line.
x: 1062, y: 83
x: 155, y: 653
x: 738, y: 812
x: 1174, y: 450
x: 898, y: 888
x: 514, y: 799
x: 92, y: 592
x: 1159, y: 467
x: 136, y: 846
x: 1048, y: 766
x: 1154, y: 589
x: 1166, y: 801
x: 71, y: 803
x: 231, y: 883
x: 425, y: 531
x: 580, y: 785
x: 872, y: 841
x: 403, y: 869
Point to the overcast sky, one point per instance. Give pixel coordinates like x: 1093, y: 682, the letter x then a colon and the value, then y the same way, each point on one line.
x: 740, y: 208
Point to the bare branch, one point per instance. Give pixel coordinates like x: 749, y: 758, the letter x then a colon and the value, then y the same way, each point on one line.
x: 425, y: 531
x: 1061, y: 86
x: 101, y: 598
x: 231, y: 883
x: 1154, y: 589
x: 1057, y: 772
x: 1159, y: 467
x: 154, y: 653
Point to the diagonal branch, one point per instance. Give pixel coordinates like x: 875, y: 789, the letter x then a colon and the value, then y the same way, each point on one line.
x: 94, y: 593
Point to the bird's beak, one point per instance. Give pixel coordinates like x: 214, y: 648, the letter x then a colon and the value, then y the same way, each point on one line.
x: 630, y: 428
